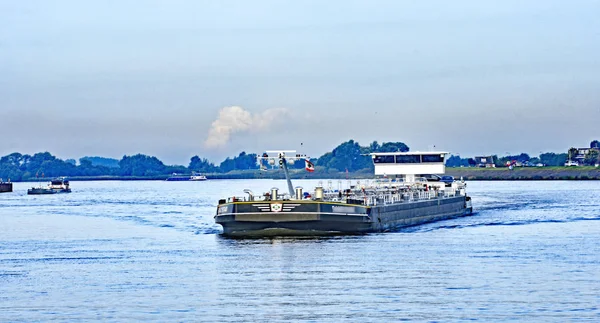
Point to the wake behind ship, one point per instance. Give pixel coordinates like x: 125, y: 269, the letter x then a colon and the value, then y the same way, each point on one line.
x: 405, y: 192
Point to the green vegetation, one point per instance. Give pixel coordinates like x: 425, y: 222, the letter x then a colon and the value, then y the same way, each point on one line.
x: 552, y: 159
x: 349, y: 159
x: 526, y: 173
x: 99, y: 161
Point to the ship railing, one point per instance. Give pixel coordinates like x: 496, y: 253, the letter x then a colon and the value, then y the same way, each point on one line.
x: 374, y: 197
x: 453, y: 193
x: 409, y: 196
x: 258, y: 198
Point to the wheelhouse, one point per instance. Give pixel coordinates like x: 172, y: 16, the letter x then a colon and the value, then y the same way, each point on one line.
x: 408, y: 165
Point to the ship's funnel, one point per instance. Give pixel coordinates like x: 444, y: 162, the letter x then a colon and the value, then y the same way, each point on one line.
x: 319, y: 192
x: 274, y: 192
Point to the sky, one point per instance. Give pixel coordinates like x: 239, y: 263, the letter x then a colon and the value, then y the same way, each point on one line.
x: 174, y: 79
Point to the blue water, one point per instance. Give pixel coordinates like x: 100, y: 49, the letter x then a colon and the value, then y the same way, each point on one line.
x: 150, y: 251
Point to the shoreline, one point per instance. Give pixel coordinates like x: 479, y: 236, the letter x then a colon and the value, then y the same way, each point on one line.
x: 467, y: 173
x: 525, y: 173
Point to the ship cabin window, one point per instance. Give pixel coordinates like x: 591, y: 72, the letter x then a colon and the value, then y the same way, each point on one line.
x: 433, y: 158
x: 383, y: 159
x: 408, y: 159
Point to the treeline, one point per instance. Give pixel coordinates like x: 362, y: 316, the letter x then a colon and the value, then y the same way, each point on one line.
x: 349, y: 156
x: 20, y: 167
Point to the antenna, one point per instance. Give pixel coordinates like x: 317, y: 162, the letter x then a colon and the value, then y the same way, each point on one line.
x: 281, y: 157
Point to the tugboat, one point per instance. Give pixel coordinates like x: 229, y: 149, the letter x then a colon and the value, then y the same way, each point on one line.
x: 399, y: 196
x: 57, y: 185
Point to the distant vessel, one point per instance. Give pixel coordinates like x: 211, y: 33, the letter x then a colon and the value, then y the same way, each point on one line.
x: 57, y: 185
x: 197, y: 178
x: 183, y: 177
x: 5, y: 186
x: 399, y: 197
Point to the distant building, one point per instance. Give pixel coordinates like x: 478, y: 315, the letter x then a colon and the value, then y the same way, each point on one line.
x: 583, y: 151
x: 580, y: 157
x: 484, y: 161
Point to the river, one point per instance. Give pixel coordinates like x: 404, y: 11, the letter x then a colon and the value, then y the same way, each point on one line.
x: 150, y: 251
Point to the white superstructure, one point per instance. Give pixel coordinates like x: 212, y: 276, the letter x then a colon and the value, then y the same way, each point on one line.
x: 406, y: 165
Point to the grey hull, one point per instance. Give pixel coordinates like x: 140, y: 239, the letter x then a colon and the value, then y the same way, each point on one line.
x: 44, y: 191
x: 323, y: 218
x: 6, y: 187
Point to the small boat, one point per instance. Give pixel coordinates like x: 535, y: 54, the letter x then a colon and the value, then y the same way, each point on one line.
x: 178, y: 177
x: 197, y: 178
x: 182, y: 177
x: 57, y: 185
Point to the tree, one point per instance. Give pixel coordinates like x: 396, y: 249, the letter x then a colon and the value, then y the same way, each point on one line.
x: 453, y: 161
x: 202, y: 165
x: 391, y: 147
x: 374, y: 146
x: 227, y: 165
x: 456, y: 161
x: 36, y: 161
x: 497, y: 162
x: 552, y: 159
x: 592, y: 157
x: 325, y: 159
x: 245, y: 161
x: 10, y: 167
x: 85, y: 163
x: 141, y: 165
x: 573, y: 152
x: 14, y: 159
x: 348, y: 156
x: 351, y: 156
x: 242, y: 162
x: 101, y: 161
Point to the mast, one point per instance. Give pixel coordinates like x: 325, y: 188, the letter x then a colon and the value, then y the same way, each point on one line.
x: 287, y: 175
x: 271, y: 156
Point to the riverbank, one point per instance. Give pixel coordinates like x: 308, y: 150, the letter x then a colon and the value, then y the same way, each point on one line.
x: 525, y: 173
x: 467, y: 173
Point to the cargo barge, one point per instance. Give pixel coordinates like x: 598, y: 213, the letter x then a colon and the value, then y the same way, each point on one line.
x: 407, y: 190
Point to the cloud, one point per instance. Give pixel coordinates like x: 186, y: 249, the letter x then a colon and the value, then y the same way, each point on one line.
x: 235, y: 119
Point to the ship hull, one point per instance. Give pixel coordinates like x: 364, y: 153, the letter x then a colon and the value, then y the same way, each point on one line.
x: 6, y: 187
x: 44, y: 191
x: 329, y: 218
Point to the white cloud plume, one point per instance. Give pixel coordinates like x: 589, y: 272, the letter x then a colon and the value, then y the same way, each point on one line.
x: 235, y: 119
